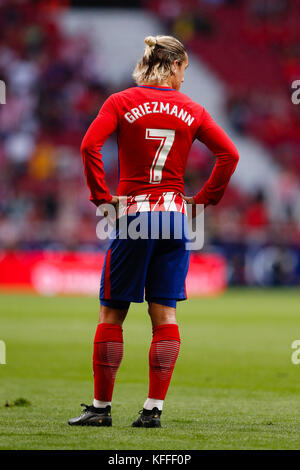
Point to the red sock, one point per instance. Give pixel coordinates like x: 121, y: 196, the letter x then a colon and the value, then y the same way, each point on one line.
x: 162, y: 357
x: 107, y: 357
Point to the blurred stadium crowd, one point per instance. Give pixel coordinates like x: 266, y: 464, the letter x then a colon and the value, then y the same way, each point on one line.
x: 53, y: 94
x: 54, y: 91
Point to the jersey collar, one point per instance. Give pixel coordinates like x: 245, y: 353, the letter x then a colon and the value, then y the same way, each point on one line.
x: 163, y: 88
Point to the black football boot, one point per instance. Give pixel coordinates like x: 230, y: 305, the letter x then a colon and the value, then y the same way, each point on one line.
x: 92, y: 416
x: 148, y: 419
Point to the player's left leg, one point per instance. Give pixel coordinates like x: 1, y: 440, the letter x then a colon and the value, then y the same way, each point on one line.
x: 122, y: 281
x: 108, y: 350
x: 107, y: 357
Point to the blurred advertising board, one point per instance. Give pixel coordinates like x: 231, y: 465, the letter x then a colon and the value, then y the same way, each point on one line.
x: 260, y: 265
x: 78, y: 273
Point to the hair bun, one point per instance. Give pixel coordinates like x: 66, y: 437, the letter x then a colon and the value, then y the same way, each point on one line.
x: 150, y: 41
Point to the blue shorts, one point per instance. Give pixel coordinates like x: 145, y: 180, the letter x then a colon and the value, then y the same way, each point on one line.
x: 156, y: 265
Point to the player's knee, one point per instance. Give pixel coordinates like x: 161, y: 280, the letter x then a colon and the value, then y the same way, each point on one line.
x: 169, y: 317
x: 112, y: 315
x: 161, y: 314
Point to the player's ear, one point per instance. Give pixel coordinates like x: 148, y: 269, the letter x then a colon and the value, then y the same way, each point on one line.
x: 175, y: 66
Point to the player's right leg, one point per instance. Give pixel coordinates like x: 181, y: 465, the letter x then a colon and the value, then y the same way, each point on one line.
x: 162, y: 358
x: 165, y: 284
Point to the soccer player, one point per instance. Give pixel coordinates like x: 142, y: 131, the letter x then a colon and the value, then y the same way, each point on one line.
x: 156, y: 126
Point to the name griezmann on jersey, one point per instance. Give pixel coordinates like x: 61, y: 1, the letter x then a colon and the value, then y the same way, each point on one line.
x: 158, y: 107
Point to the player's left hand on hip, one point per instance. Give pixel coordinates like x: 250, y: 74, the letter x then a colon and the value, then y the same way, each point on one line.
x: 114, y: 201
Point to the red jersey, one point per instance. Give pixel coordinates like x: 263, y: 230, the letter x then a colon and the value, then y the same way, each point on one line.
x: 156, y: 127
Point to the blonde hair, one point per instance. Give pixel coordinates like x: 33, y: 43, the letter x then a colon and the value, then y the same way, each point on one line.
x: 159, y: 55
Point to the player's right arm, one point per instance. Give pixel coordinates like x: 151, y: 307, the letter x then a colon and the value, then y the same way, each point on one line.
x: 101, y: 128
x: 213, y: 136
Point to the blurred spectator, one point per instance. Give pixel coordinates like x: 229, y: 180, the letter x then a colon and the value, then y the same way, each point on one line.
x: 269, y: 8
x: 256, y: 218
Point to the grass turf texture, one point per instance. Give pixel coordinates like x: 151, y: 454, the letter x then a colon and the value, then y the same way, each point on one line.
x: 234, y: 385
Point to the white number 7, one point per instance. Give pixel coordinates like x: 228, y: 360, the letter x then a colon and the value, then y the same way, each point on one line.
x: 166, y: 137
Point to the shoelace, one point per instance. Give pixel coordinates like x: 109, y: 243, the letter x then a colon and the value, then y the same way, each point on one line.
x: 155, y: 413
x: 87, y: 407
x: 92, y: 409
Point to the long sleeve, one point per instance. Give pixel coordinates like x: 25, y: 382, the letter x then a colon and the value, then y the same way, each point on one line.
x: 105, y: 124
x: 211, y: 134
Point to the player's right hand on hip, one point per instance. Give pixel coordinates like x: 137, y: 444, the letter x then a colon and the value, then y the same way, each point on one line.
x: 188, y: 199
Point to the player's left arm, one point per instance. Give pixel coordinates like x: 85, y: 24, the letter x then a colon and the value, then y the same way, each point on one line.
x: 213, y: 136
x: 101, y: 128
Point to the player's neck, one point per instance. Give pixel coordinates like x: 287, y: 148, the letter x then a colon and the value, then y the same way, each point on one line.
x: 158, y: 84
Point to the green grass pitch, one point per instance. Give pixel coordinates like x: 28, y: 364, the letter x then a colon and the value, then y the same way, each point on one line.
x: 234, y: 385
